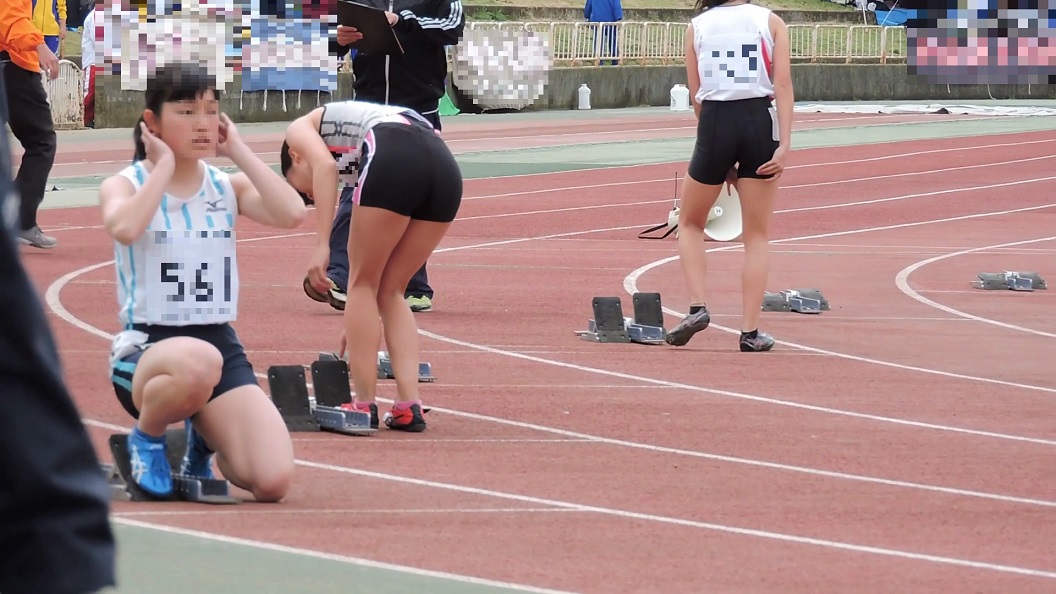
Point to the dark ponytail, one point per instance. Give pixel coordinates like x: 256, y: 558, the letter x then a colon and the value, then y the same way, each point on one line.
x: 702, y: 5
x: 178, y: 81
x: 137, y: 137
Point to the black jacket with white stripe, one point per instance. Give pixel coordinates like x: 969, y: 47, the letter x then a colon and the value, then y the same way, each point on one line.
x: 415, y: 79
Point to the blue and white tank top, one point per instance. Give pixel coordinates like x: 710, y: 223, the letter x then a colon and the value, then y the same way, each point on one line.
x: 182, y: 271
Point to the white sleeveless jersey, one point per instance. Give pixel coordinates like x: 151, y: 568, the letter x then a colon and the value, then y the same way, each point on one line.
x: 345, y: 124
x: 734, y: 53
x: 182, y: 271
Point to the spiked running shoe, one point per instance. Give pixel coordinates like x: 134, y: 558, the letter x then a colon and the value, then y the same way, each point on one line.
x: 420, y: 303
x: 197, y: 462
x: 690, y: 325
x: 408, y: 419
x: 762, y: 342
x: 150, y: 463
x: 373, y: 413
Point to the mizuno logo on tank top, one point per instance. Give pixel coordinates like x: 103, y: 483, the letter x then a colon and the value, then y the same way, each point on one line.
x: 182, y: 270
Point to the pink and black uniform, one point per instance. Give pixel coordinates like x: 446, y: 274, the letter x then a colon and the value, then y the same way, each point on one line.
x: 394, y: 158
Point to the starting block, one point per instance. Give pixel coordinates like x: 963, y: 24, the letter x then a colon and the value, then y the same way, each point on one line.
x: 807, y: 301
x: 610, y: 325
x: 425, y: 370
x: 289, y: 392
x: 185, y: 488
x: 1013, y: 281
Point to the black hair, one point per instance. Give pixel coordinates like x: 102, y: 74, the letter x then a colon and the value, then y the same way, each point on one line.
x: 285, y: 160
x: 285, y: 163
x: 703, y: 5
x: 179, y: 81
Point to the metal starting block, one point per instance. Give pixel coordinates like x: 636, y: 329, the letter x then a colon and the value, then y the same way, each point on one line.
x: 289, y: 392
x: 610, y: 325
x: 1013, y: 281
x: 807, y: 301
x: 425, y: 370
x: 185, y: 488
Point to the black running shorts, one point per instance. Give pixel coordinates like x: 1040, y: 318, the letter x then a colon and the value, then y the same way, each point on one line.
x: 742, y: 133
x: 407, y: 169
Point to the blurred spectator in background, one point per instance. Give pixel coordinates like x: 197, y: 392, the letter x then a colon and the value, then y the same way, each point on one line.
x: 605, y: 11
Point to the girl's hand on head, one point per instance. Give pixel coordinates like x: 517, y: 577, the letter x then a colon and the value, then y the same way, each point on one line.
x: 157, y: 149
x: 228, y: 139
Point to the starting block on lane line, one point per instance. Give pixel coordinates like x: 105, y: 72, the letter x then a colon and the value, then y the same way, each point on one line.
x: 610, y: 325
x: 289, y: 392
x: 425, y: 370
x: 185, y: 488
x: 807, y: 301
x: 1013, y: 281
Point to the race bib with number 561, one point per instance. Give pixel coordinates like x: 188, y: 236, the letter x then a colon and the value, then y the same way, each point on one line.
x: 192, y: 278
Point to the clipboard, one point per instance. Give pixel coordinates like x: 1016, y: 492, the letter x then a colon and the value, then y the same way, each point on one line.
x: 378, y: 36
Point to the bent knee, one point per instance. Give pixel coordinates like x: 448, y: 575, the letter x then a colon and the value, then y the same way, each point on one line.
x: 272, y: 485
x: 199, y: 371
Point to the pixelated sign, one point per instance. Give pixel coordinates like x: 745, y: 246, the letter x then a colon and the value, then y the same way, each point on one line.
x: 502, y: 69
x: 982, y: 41
x: 274, y: 44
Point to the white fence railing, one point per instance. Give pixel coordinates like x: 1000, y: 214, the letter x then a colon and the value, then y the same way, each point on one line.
x: 629, y: 42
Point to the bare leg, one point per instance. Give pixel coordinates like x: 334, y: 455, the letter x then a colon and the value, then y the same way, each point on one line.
x: 375, y: 233
x: 173, y: 380
x: 757, y: 207
x: 401, y: 331
x: 253, y: 447
x: 697, y: 201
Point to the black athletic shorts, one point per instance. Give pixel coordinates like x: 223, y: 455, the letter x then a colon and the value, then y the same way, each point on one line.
x: 407, y: 169
x: 729, y: 133
x: 237, y: 370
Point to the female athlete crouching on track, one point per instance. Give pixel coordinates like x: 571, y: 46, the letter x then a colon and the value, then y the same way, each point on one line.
x: 737, y: 58
x: 172, y: 218
x: 408, y: 190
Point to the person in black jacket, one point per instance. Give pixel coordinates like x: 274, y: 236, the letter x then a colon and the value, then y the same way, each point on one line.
x: 416, y: 80
x: 55, y: 533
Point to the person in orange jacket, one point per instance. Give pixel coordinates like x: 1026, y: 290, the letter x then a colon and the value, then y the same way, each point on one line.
x: 49, y: 17
x: 23, y: 56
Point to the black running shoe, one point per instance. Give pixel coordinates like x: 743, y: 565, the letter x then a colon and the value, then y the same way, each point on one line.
x: 761, y: 342
x: 690, y: 325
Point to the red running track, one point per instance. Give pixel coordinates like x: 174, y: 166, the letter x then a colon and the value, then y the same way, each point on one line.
x: 885, y: 445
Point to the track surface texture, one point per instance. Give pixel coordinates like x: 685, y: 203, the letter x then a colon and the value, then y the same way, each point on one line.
x: 901, y: 442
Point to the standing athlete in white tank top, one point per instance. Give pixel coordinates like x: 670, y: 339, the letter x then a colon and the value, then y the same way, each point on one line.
x: 737, y: 66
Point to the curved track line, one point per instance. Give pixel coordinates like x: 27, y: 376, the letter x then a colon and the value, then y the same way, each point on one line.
x: 902, y: 282
x: 630, y: 285
x: 53, y: 299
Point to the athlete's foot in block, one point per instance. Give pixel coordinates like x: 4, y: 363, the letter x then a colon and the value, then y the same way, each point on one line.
x: 198, y: 461
x: 690, y: 325
x: 368, y: 410
x: 150, y: 463
x: 406, y: 418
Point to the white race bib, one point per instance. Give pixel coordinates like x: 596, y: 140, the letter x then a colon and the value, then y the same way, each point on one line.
x: 731, y: 62
x: 192, y: 277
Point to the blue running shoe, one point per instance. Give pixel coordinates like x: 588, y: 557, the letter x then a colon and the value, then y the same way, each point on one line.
x: 198, y: 461
x: 150, y: 463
